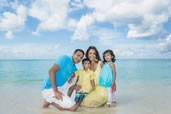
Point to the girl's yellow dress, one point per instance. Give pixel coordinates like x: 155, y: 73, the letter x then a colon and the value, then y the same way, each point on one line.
x: 98, y: 97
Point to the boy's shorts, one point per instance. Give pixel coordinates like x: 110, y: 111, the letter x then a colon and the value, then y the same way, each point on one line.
x: 80, y: 95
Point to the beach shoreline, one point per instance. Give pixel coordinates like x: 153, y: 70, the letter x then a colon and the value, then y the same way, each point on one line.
x: 135, y: 98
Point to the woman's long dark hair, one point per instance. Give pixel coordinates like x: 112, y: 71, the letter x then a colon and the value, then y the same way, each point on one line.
x: 95, y: 49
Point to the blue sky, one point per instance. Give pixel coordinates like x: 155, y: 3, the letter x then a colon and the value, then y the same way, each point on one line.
x: 46, y: 29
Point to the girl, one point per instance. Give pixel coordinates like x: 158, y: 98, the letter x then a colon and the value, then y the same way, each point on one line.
x: 108, y: 75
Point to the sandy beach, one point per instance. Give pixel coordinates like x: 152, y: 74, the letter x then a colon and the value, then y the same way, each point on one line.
x: 132, y: 98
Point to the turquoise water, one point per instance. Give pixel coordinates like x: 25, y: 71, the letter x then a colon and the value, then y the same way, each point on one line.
x: 33, y: 71
x: 23, y: 71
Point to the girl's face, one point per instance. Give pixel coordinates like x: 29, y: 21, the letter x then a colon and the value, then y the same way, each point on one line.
x: 92, y: 55
x: 108, y: 57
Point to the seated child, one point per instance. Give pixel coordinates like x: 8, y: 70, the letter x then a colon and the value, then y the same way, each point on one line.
x: 85, y: 81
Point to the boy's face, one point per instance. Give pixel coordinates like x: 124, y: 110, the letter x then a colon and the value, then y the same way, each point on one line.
x: 77, y: 57
x: 86, y: 64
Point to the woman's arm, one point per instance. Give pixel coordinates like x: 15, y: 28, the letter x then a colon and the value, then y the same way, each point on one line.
x: 101, y: 64
x: 92, y: 84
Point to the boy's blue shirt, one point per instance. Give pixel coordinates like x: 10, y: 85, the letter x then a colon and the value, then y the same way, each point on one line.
x: 67, y: 68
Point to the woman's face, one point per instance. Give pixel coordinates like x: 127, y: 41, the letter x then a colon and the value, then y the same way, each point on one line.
x: 92, y: 55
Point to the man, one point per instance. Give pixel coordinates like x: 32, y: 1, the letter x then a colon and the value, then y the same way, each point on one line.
x: 53, y: 85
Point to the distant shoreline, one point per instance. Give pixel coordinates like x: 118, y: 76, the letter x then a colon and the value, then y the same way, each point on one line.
x: 55, y: 59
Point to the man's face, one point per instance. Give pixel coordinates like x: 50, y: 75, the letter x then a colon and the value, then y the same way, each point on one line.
x: 77, y: 57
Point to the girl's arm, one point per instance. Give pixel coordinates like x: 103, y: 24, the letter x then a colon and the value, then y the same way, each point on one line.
x: 114, y: 76
x: 114, y: 71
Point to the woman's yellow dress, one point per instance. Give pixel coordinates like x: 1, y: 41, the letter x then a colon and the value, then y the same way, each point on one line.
x: 98, y: 97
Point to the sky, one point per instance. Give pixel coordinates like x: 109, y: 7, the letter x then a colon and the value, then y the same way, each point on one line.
x: 46, y: 29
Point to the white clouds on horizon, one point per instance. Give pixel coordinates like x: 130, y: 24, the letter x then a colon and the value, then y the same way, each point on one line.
x: 138, y: 51
x: 30, y: 50
x: 52, y: 51
x: 165, y: 45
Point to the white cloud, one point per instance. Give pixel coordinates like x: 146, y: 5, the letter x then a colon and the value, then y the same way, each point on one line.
x: 77, y: 4
x: 51, y: 13
x: 9, y: 35
x: 126, y: 53
x: 72, y: 24
x: 107, y: 36
x: 81, y: 32
x: 133, y: 50
x: 143, y: 18
x: 165, y: 46
x: 30, y: 51
x: 12, y: 22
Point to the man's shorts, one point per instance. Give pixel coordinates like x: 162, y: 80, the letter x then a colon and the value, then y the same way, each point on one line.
x: 48, y: 95
x: 67, y: 102
x: 80, y: 95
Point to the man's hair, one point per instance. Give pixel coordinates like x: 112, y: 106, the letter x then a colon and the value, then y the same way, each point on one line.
x: 79, y: 50
x: 85, y: 59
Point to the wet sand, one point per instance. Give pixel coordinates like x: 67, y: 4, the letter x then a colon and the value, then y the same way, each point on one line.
x: 132, y: 98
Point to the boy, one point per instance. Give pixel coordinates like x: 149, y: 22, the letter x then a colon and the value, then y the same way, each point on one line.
x: 85, y: 81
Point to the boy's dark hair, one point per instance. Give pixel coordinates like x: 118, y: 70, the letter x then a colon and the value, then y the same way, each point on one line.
x: 85, y: 59
x: 95, y: 49
x: 79, y: 50
x: 111, y: 52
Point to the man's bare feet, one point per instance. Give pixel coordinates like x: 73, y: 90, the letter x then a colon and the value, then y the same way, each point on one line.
x: 74, y: 108
x: 45, y: 104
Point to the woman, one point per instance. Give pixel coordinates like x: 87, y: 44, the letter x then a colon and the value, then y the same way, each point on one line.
x: 98, y: 97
